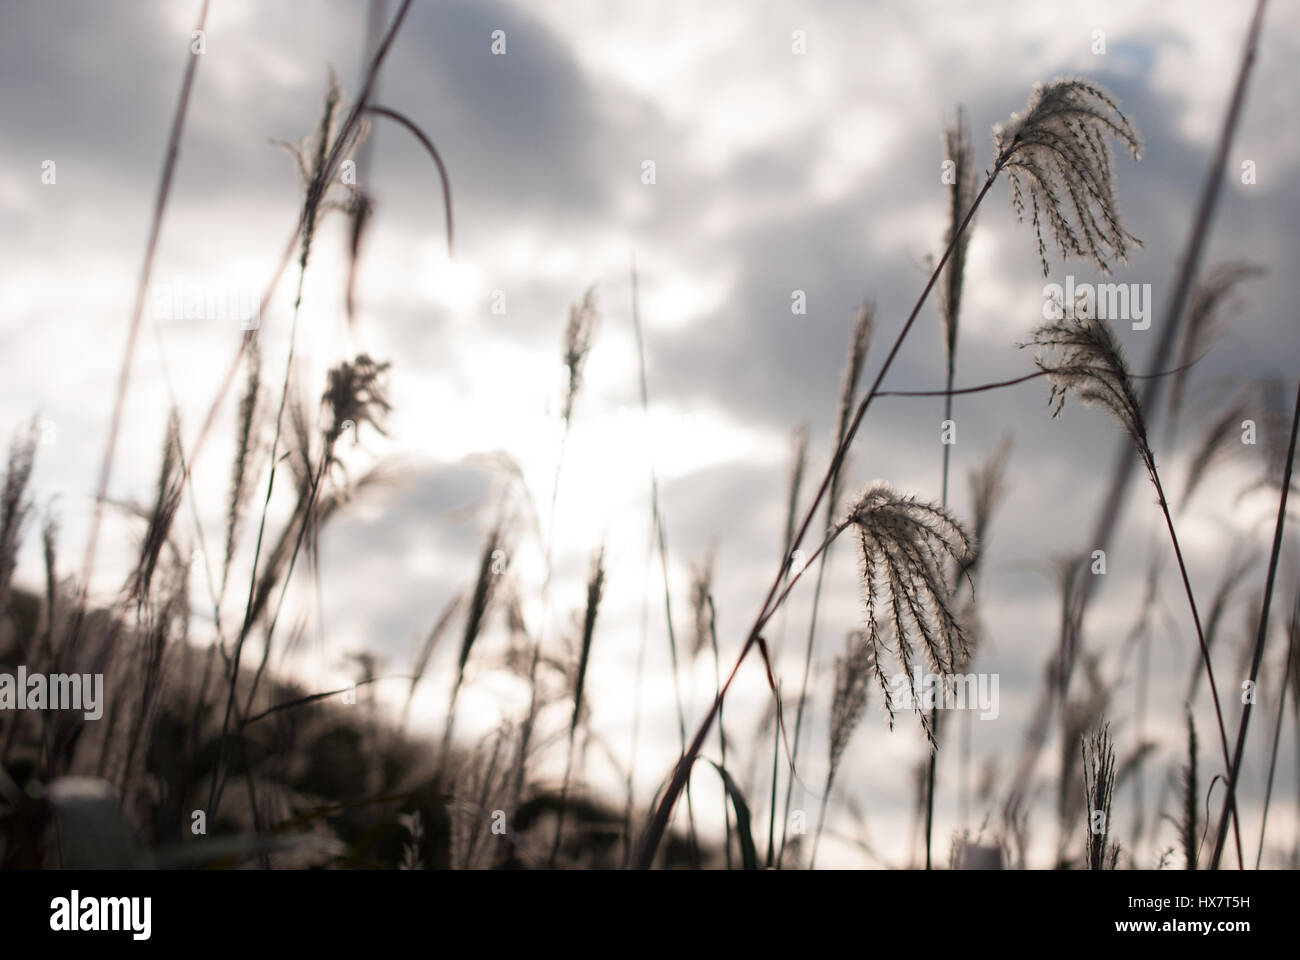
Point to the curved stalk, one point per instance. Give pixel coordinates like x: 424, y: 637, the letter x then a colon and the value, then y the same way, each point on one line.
x: 654, y: 831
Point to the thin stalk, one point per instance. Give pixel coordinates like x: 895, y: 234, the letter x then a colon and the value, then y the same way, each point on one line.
x: 659, y: 820
x: 660, y: 539
x: 636, y: 701
x: 999, y: 384
x: 817, y: 836
x: 1205, y: 651
x: 312, y: 496
x: 776, y: 757
x: 316, y: 187
x: 645, y: 591
x: 1277, y: 727
x: 1261, y: 638
x: 1188, y: 265
x: 722, y: 731
x: 525, y: 734
x: 332, y: 162
x: 218, y: 779
x: 137, y: 311
x: 934, y: 712
x: 859, y: 345
x: 594, y: 588
x: 803, y: 697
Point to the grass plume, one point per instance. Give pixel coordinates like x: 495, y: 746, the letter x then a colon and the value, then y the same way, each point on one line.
x: 904, y: 543
x: 1098, y: 786
x: 1057, y: 154
x: 853, y: 672
x: 595, y: 591
x: 1083, y: 356
x: 855, y: 360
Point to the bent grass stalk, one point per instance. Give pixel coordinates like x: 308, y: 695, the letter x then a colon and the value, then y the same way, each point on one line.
x: 1261, y: 637
x: 1091, y: 364
x: 860, y: 342
x: 137, y: 314
x: 798, y: 465
x: 1188, y: 264
x: 658, y: 822
x: 316, y: 184
x: 1037, y: 131
x: 1277, y: 727
x: 848, y: 704
x: 595, y: 591
x: 347, y: 136
x: 659, y: 539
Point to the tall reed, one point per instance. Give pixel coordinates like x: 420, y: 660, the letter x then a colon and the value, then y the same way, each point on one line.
x: 1036, y: 144
x: 853, y: 673
x: 1082, y: 355
x: 961, y: 156
x: 595, y: 591
x: 1261, y: 637
x: 1099, y: 785
x: 854, y: 362
x: 475, y: 616
x: 579, y: 333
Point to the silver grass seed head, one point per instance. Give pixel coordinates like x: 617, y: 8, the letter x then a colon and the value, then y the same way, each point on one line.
x: 578, y: 335
x: 958, y: 150
x: 905, y: 545
x: 1082, y: 355
x: 357, y: 393
x: 853, y: 672
x: 1057, y: 154
x: 864, y: 325
x: 702, y: 617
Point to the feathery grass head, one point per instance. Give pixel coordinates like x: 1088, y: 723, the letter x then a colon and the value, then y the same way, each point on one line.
x: 1083, y: 356
x: 426, y: 649
x: 481, y: 598
x: 1210, y: 300
x: 957, y: 146
x: 49, y: 553
x: 595, y: 593
x: 905, y: 544
x: 1261, y: 404
x: 312, y: 156
x: 15, y: 505
x: 798, y: 463
x: 1273, y: 421
x: 357, y: 393
x: 1236, y: 565
x: 987, y: 486
x: 852, y: 677
x: 1098, y: 786
x: 166, y: 499
x: 1191, y: 800
x: 481, y: 787
x: 247, y: 446
x: 864, y: 324
x: 578, y: 334
x: 702, y: 605
x: 476, y: 614
x: 1058, y: 157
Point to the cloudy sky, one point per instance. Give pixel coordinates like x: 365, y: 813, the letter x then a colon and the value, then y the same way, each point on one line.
x: 795, y: 147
